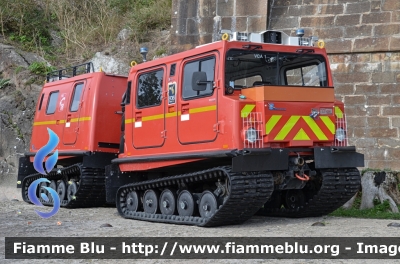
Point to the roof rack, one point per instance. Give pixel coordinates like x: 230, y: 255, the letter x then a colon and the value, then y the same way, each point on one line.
x: 70, y: 72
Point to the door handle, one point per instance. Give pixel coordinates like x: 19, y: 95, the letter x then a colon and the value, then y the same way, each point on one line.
x: 138, y: 116
x: 185, y: 109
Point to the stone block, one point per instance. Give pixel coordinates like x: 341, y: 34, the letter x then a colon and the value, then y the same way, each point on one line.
x: 394, y: 43
x: 279, y: 12
x: 391, y: 110
x: 358, y: 31
x: 239, y: 24
x: 356, y: 8
x: 396, y: 100
x: 317, y: 21
x: 224, y: 8
x: 377, y: 121
x: 226, y: 23
x: 342, y: 68
x: 344, y: 89
x: 359, y: 132
x: 356, y: 121
x: 253, y: 8
x: 390, y: 5
x: 302, y: 10
x: 376, y: 18
x: 286, y: 23
x: 329, y: 33
x: 354, y: 99
x: 256, y: 24
x: 371, y: 44
x: 367, y: 89
x: 383, y: 77
x: 379, y: 164
x: 192, y: 26
x: 390, y: 88
x: 348, y: 20
x: 396, y: 123
x: 358, y: 77
x: 207, y: 8
x: 387, y: 29
x: 330, y: 9
x: 388, y: 142
x: 317, y: 2
x: 394, y: 154
x: 383, y: 132
x: 206, y: 25
x: 368, y: 67
x: 338, y: 45
x: 376, y: 6
x: 379, y: 100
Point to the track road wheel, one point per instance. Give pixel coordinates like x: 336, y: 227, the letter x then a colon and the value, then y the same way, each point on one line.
x: 61, y: 189
x: 71, y: 190
x: 186, y: 205
x: 53, y: 185
x: 167, y: 202
x: 150, y: 202
x: 208, y: 204
x: 43, y: 193
x: 294, y: 199
x: 132, y: 201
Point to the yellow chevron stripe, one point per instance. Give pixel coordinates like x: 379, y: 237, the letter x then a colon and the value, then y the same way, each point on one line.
x: 301, y: 135
x: 328, y: 123
x: 338, y: 112
x: 315, y: 128
x: 246, y: 110
x: 287, y: 127
x: 271, y: 123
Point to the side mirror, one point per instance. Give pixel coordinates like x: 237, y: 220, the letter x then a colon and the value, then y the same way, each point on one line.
x: 199, y: 81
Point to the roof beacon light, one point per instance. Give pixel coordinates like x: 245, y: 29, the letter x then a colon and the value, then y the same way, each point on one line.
x: 143, y: 51
x: 300, y: 32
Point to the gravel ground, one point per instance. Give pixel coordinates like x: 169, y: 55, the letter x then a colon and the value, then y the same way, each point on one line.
x: 18, y: 219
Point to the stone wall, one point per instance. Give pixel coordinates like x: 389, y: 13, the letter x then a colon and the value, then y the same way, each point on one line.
x: 198, y: 22
x: 363, y: 42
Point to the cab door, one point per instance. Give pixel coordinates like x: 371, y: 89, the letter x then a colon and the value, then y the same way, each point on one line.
x: 73, y: 112
x: 197, y: 110
x: 148, y: 111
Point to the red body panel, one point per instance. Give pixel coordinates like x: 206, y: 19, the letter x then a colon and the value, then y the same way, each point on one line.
x: 94, y: 121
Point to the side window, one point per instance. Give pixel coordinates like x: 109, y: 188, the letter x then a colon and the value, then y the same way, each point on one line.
x: 149, y: 88
x: 206, y: 65
x: 52, y: 103
x: 76, y: 98
x: 41, y: 102
x: 128, y: 93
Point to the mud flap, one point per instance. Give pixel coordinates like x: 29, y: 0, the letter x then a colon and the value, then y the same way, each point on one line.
x: 337, y: 157
x: 25, y: 168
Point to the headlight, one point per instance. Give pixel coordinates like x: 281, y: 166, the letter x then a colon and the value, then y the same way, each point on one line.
x: 340, y: 134
x: 251, y: 135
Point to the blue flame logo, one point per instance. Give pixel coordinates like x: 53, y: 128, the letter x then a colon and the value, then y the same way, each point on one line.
x: 49, y: 164
x: 44, y: 151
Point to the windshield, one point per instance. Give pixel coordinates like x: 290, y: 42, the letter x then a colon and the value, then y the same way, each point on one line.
x: 249, y: 68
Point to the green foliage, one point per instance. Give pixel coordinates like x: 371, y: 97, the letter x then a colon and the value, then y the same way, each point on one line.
x: 19, y: 69
x: 25, y: 22
x: 4, y: 83
x: 40, y: 68
x: 380, y: 211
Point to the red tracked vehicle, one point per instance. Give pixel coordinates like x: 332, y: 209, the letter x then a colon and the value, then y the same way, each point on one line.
x: 218, y: 133
x: 82, y: 108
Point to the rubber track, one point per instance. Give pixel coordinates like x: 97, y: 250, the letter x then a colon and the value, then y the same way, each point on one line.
x: 91, y: 190
x: 338, y: 186
x: 247, y: 194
